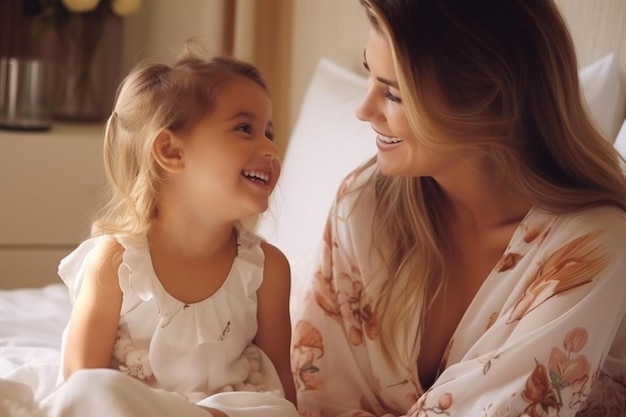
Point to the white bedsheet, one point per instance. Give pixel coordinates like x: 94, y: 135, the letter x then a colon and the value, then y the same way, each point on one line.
x: 31, y: 325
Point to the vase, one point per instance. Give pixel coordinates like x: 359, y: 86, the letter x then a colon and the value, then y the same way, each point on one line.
x: 87, y: 67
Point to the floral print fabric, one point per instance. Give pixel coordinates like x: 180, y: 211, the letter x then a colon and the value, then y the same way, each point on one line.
x: 542, y: 337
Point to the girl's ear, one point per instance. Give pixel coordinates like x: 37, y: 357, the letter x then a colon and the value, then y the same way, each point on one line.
x: 167, y: 151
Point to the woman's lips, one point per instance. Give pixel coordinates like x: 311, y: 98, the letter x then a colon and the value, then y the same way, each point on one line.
x: 386, y: 142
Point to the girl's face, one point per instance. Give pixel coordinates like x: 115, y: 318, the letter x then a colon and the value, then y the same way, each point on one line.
x: 399, y: 150
x: 230, y: 159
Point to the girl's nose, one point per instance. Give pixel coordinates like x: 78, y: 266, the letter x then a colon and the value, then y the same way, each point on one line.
x: 269, y: 149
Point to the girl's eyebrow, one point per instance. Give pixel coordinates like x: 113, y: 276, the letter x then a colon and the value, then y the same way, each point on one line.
x: 249, y: 115
x: 243, y: 114
x: 385, y: 81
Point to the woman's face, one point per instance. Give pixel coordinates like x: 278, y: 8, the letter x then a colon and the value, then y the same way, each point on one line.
x: 399, y: 150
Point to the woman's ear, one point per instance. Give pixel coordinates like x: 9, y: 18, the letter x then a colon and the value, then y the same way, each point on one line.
x: 167, y: 151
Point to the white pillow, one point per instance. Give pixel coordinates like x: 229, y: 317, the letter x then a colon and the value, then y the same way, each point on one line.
x: 620, y: 142
x: 605, y: 95
x: 328, y: 141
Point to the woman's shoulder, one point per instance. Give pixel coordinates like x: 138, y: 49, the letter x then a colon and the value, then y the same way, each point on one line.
x: 605, y: 225
x: 356, y: 190
x: 609, y: 218
x: 357, y: 179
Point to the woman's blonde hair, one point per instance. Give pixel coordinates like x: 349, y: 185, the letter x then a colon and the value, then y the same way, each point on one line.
x: 152, y: 98
x: 495, y: 76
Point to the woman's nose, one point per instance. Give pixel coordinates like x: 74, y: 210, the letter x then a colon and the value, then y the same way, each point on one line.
x: 366, y: 109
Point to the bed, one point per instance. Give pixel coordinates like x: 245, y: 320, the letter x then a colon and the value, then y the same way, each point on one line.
x: 326, y: 142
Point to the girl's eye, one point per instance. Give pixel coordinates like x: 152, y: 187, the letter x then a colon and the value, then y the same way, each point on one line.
x: 392, y: 98
x: 245, y: 128
x: 270, y: 135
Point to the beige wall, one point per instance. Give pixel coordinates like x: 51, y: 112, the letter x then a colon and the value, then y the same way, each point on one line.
x: 286, y: 38
x: 334, y: 29
x: 160, y: 26
x: 257, y: 34
x: 607, y: 18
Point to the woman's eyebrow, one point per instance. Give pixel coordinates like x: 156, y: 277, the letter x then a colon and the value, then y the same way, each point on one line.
x: 385, y: 81
x: 390, y: 83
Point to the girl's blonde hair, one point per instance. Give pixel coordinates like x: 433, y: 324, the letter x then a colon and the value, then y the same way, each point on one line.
x: 498, y: 77
x: 152, y: 98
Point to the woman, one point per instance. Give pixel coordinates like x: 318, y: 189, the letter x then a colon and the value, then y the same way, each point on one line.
x: 474, y: 267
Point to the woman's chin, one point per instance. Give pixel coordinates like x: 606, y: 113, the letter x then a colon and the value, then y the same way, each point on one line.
x: 389, y: 168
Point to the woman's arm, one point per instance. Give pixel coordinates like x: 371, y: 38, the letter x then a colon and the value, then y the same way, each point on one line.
x: 96, y: 312
x: 339, y: 368
x: 274, y: 324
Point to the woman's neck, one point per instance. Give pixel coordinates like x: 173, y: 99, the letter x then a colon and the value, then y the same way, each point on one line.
x: 480, y: 201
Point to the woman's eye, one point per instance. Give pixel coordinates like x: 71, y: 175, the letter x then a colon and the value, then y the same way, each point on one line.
x: 245, y: 128
x: 392, y: 98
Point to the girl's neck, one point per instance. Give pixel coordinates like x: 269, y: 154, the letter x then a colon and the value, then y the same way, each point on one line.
x: 191, y: 263
x: 188, y: 239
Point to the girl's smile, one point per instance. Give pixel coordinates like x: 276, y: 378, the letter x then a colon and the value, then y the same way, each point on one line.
x: 260, y: 177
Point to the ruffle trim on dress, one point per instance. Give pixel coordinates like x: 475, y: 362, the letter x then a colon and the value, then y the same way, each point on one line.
x: 71, y: 269
x: 185, y: 326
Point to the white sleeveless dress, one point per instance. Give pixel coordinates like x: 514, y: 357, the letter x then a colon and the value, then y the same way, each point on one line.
x: 194, y: 350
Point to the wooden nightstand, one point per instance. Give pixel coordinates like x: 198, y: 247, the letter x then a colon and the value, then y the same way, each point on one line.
x: 50, y: 186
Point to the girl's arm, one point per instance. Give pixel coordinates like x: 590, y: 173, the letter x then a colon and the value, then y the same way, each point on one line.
x: 274, y: 332
x: 96, y: 312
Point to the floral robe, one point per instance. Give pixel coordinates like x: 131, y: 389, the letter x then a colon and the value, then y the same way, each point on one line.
x: 544, y: 335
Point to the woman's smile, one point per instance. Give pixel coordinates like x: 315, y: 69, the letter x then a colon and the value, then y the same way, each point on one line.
x: 387, y: 142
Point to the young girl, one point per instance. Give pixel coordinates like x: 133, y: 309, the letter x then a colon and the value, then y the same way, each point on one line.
x: 171, y: 289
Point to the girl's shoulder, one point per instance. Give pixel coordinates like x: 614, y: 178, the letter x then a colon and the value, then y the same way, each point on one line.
x: 257, y: 251
x: 99, y: 257
x: 276, y: 263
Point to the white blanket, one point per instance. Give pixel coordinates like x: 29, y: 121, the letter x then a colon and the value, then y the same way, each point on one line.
x: 31, y: 326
